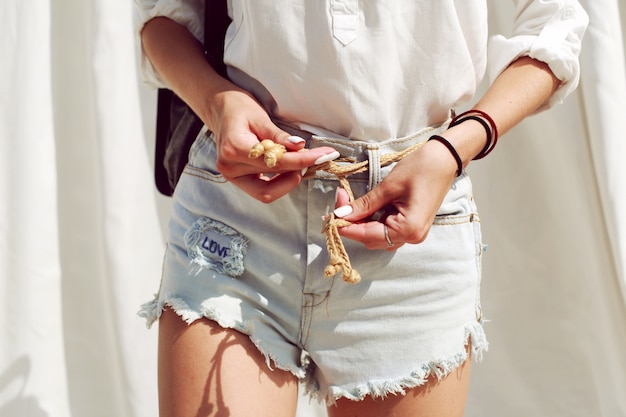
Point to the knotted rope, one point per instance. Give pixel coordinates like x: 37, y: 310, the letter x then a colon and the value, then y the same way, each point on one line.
x: 342, y: 168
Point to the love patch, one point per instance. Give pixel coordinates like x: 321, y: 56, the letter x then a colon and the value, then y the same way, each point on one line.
x: 214, y: 245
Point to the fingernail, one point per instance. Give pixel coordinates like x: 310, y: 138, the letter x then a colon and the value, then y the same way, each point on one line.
x: 326, y: 158
x: 295, y: 139
x: 304, y: 170
x: 343, y: 211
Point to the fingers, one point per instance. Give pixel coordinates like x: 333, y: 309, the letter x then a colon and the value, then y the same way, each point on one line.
x: 297, y: 161
x: 341, y: 198
x: 292, y: 142
x: 235, y: 162
x: 269, y: 177
x: 267, y: 189
x: 390, y: 215
x: 373, y: 234
x: 298, y: 156
x: 395, y: 227
x: 268, y: 184
x: 369, y: 229
x: 241, y: 123
x: 365, y: 206
x: 414, y: 190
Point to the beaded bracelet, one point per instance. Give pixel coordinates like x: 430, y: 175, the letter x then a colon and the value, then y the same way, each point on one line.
x: 453, y: 151
x: 488, y: 124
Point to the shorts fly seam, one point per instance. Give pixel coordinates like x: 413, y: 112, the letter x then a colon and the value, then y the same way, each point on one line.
x: 325, y: 297
x: 307, y: 307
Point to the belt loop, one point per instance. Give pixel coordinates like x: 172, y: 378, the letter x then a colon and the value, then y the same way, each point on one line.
x: 373, y: 155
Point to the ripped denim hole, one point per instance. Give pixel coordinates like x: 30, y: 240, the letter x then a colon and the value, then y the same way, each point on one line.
x: 214, y: 245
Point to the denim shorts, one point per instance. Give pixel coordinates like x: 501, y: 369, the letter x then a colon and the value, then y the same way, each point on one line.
x: 259, y: 268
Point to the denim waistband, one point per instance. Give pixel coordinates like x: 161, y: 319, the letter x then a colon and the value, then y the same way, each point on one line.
x: 352, y: 151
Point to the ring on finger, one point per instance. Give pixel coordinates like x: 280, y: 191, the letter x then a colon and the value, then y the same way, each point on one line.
x: 389, y: 242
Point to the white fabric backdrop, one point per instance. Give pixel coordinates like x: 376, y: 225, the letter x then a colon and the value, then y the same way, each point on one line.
x: 81, y: 227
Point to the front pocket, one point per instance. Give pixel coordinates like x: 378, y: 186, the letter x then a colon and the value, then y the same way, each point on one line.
x: 456, y: 219
x: 203, y: 157
x: 459, y: 201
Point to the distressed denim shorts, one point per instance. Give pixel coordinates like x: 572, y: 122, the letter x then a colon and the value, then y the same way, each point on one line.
x: 259, y: 268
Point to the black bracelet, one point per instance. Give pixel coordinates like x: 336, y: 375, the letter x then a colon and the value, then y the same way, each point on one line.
x: 488, y: 124
x: 483, y: 122
x: 453, y: 151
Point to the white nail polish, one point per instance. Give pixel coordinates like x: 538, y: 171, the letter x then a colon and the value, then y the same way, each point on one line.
x: 326, y: 158
x: 295, y: 139
x: 343, y: 211
x: 304, y: 170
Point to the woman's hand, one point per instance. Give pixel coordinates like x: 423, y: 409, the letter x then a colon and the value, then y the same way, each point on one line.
x: 410, y: 196
x: 231, y: 113
x: 416, y: 187
x: 238, y: 123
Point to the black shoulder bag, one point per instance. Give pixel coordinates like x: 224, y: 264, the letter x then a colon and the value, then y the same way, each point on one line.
x: 177, y: 125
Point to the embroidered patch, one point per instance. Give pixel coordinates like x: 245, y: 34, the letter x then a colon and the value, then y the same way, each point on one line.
x: 214, y: 245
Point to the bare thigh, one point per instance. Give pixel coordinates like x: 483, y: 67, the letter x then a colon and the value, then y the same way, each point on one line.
x: 205, y: 370
x: 445, y: 398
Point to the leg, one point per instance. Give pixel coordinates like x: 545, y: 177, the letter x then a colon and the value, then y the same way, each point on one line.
x: 205, y: 370
x: 445, y: 398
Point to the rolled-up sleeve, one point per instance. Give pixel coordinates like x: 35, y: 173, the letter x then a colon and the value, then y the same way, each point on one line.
x: 549, y: 31
x: 189, y: 13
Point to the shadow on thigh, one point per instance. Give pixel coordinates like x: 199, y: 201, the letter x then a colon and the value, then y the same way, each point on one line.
x: 206, y: 370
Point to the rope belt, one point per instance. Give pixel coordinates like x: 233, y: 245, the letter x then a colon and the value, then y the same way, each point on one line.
x: 342, y: 168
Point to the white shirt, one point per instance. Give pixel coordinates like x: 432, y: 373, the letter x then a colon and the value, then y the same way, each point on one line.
x: 373, y: 70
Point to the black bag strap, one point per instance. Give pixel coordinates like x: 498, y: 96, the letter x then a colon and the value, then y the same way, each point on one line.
x: 177, y: 125
x: 164, y: 100
x: 216, y: 23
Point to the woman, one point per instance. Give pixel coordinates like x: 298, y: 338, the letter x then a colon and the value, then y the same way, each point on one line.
x: 247, y: 305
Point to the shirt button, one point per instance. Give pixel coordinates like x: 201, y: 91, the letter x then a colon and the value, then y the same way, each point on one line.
x: 567, y: 14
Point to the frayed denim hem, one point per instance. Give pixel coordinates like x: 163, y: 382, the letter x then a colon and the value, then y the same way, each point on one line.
x: 152, y: 310
x: 474, y: 334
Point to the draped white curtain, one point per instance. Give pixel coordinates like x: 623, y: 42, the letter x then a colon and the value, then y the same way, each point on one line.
x: 81, y: 227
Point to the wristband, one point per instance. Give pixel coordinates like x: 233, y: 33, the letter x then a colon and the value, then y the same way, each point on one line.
x: 453, y: 151
x: 488, y: 124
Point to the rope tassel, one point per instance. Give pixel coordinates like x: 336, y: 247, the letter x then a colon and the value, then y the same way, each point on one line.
x: 338, y: 256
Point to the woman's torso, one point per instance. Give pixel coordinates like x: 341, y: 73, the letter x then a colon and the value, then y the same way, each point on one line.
x: 368, y: 70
